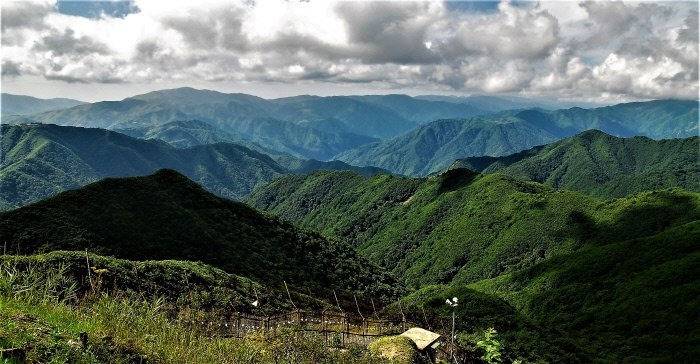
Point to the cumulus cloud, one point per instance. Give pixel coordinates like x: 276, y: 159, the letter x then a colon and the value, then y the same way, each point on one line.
x: 587, y: 50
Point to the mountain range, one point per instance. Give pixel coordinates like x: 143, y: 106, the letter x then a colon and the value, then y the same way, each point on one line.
x: 39, y: 160
x: 571, y: 232
x: 304, y: 126
x: 601, y: 164
x: 434, y: 146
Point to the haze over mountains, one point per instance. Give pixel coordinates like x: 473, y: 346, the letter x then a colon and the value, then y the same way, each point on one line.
x: 231, y: 143
x: 304, y: 126
x: 436, y: 145
x: 535, y: 218
x: 24, y: 105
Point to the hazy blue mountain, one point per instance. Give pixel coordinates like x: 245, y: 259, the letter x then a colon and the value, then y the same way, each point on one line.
x: 502, y: 103
x: 241, y: 116
x: 24, y: 105
x: 435, y: 146
x: 304, y: 126
x: 420, y: 110
x: 601, y: 164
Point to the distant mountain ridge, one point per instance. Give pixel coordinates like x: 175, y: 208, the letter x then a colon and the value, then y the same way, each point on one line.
x: 43, y: 159
x: 601, y: 164
x: 436, y: 145
x: 24, y: 105
x: 309, y: 127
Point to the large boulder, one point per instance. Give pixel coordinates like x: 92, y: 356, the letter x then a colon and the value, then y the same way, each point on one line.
x: 395, y: 349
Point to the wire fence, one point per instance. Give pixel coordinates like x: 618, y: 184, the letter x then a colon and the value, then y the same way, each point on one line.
x: 337, y: 329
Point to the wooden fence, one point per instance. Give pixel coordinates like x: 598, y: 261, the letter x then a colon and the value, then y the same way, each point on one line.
x: 337, y: 328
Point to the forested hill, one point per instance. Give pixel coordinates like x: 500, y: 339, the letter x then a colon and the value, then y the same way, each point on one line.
x: 464, y: 225
x: 434, y: 146
x: 40, y: 160
x: 618, y: 276
x: 167, y: 216
x: 601, y: 164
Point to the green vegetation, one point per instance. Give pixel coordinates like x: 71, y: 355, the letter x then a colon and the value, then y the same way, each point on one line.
x: 42, y: 160
x: 180, y: 284
x: 434, y: 146
x: 167, y: 216
x: 465, y: 226
x: 520, y: 338
x: 560, y: 275
x: 632, y: 301
x: 601, y: 164
x: 42, y: 316
x: 491, y: 346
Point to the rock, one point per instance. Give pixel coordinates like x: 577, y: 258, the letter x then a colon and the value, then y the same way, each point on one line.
x: 395, y: 349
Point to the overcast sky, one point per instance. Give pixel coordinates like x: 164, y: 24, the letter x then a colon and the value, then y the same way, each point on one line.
x: 602, y: 51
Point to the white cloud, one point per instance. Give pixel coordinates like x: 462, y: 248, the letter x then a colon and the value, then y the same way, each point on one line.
x: 565, y: 49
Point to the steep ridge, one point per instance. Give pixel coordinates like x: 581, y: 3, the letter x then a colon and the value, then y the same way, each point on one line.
x: 601, y: 164
x: 634, y: 300
x: 41, y: 160
x: 465, y: 226
x: 601, y: 280
x: 167, y: 216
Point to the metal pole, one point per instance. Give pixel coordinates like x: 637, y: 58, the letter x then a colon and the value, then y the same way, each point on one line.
x: 452, y: 338
x: 289, y: 295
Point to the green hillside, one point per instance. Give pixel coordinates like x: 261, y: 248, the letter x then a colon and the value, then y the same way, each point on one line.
x: 581, y: 278
x: 167, y: 216
x: 438, y: 144
x: 434, y: 146
x: 191, y: 284
x: 631, y: 301
x: 601, y: 164
x: 463, y: 226
x: 42, y: 160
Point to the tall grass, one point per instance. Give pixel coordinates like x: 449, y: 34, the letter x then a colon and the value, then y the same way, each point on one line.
x: 42, y: 311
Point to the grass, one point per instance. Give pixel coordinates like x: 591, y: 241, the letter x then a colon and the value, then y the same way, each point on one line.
x: 46, y: 318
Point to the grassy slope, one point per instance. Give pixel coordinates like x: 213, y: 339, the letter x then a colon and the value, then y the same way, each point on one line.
x: 601, y: 164
x: 632, y: 300
x: 185, y: 283
x: 167, y: 216
x: 464, y: 226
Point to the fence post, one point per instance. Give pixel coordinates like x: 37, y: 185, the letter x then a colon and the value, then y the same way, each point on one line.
x: 238, y: 324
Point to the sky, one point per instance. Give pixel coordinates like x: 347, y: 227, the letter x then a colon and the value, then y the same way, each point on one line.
x: 587, y: 51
